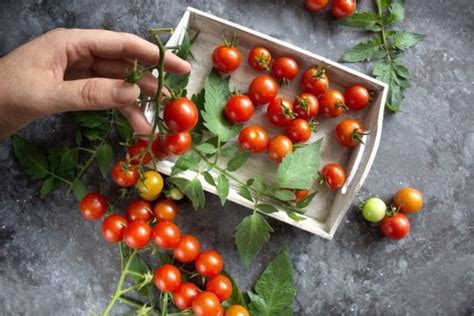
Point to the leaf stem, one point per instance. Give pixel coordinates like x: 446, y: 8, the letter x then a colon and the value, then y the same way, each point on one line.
x: 382, y: 30
x: 130, y: 302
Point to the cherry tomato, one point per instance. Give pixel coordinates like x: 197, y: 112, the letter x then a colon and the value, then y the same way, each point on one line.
x: 180, y: 115
x: 157, y: 148
x: 226, y: 58
x: 221, y: 286
x: 253, y: 138
x: 209, y: 263
x: 300, y: 195
x: 280, y: 112
x: 178, y: 143
x: 135, y: 152
x: 167, y: 278
x: 207, y: 304
x: 149, y: 188
x: 396, y: 226
x: 408, y: 200
x: 357, y: 97
x: 139, y: 210
x: 93, y: 206
x: 166, y: 210
x: 187, y: 249
x: 332, y: 103
x: 166, y: 235
x: 316, y: 5
x: 333, y: 175
x: 239, y: 109
x: 137, y: 234
x: 113, y: 227
x: 185, y: 294
x: 349, y: 132
x: 237, y: 310
x: 374, y: 210
x: 298, y: 130
x: 306, y: 106
x: 315, y: 81
x: 279, y: 147
x: 342, y: 8
x: 285, y: 69
x: 260, y: 58
x: 124, y: 174
x: 263, y: 89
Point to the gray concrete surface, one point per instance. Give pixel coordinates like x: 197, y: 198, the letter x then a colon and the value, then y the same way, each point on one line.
x: 54, y: 263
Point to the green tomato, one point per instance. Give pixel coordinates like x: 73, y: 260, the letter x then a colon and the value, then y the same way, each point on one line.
x: 175, y: 194
x: 374, y: 210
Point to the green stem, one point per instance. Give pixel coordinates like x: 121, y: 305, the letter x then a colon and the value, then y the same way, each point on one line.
x: 383, y: 35
x: 59, y: 178
x: 130, y: 302
x: 164, y: 304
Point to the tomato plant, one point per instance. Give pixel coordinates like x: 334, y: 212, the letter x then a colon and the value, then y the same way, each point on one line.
x: 408, y: 200
x: 180, y: 115
x: 207, y: 304
x: 350, y: 132
x: 239, y: 109
x: 227, y: 58
x: 260, y: 58
x: 166, y: 235
x: 374, y: 210
x: 279, y: 147
x: 356, y: 97
x: 178, y: 143
x: 280, y: 112
x: 165, y: 210
x: 253, y: 138
x: 285, y: 69
x: 298, y: 130
x: 315, y: 81
x: 113, y: 227
x: 221, y: 286
x: 185, y: 294
x: 187, y: 249
x: 139, y: 210
x: 93, y: 206
x: 342, y: 8
x: 209, y: 263
x: 306, y: 106
x: 316, y: 5
x: 332, y: 103
x: 149, y: 188
x: 263, y: 89
x: 395, y: 226
x: 137, y: 234
x: 167, y: 278
x: 333, y: 175
x: 124, y: 174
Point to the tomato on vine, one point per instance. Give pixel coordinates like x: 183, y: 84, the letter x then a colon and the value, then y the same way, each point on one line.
x: 221, y: 286
x: 280, y: 112
x: 139, y: 210
x: 279, y: 147
x: 93, y: 206
x: 260, y: 58
x: 124, y: 174
x: 253, y: 138
x: 306, y: 106
x: 237, y: 310
x: 333, y: 175
x: 342, y: 8
x: 316, y: 5
x: 166, y: 235
x: 180, y: 115
x: 185, y: 294
x: 209, y: 263
x: 157, y: 148
x: 137, y: 234
x: 177, y: 144
x: 350, y: 132
x: 113, y: 227
x: 263, y: 89
x: 285, y: 69
x: 149, y: 188
x: 165, y: 210
x: 187, y: 249
x: 357, y: 97
x: 135, y: 152
x: 299, y: 130
x: 167, y: 278
x: 332, y: 103
x: 315, y: 81
x: 227, y: 58
x: 239, y: 109
x: 395, y: 226
x: 207, y: 304
x: 408, y: 200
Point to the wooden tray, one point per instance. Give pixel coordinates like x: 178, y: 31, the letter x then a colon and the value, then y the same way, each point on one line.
x: 328, y: 207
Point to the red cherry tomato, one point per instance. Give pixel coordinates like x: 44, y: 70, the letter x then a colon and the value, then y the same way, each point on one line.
x: 157, y: 148
x: 178, y: 143
x: 342, y: 8
x: 357, y: 97
x: 316, y: 5
x: 93, y: 206
x: 209, y: 263
x: 180, y: 115
x: 280, y: 112
x: 298, y: 130
x: 334, y: 175
x: 239, y: 109
x: 187, y: 249
x: 260, y: 58
x: 279, y: 147
x: 349, y: 132
x: 185, y: 294
x: 167, y: 278
x: 207, y: 304
x: 226, y: 58
x: 139, y: 210
x: 135, y: 152
x: 263, y: 89
x: 166, y: 235
x: 396, y: 226
x: 113, y: 228
x: 285, y: 69
x: 166, y: 210
x: 315, y: 81
x: 137, y: 234
x: 300, y: 195
x: 253, y: 138
x: 124, y: 174
x: 306, y: 106
x: 221, y: 286
x: 332, y: 103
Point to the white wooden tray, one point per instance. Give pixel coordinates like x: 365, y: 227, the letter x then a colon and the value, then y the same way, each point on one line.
x: 328, y: 207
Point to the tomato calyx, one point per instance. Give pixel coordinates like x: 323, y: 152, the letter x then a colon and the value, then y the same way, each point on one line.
x: 263, y: 61
x: 233, y: 42
x: 320, y: 72
x: 287, y: 111
x: 135, y: 74
x: 341, y: 105
x: 392, y: 210
x: 314, y: 125
x: 357, y: 135
x: 302, y: 102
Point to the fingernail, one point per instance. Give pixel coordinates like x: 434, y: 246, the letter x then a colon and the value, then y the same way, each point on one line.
x: 125, y: 93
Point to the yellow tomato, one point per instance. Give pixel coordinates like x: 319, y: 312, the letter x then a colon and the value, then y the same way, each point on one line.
x: 236, y: 310
x: 149, y: 188
x: 408, y: 200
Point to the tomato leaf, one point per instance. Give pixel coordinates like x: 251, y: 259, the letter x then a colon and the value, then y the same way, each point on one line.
x: 206, y: 148
x: 79, y: 189
x: 187, y: 161
x: 209, y: 179
x: 192, y: 189
x: 250, y: 236
x: 198, y: 100
x: 403, y: 40
x: 49, y: 185
x: 364, y: 20
x: 222, y: 188
x: 365, y: 51
x: 104, y: 158
x: 258, y: 183
x: 229, y: 150
x: 33, y: 161
x: 63, y: 161
x: 306, y: 201
x: 267, y: 208
x: 284, y: 195
x: 396, y: 76
x: 216, y: 94
x: 298, y: 169
x: 274, y: 290
x: 238, y: 161
x: 396, y: 12
x: 185, y: 47
x: 123, y: 127
x: 295, y: 216
x: 245, y: 192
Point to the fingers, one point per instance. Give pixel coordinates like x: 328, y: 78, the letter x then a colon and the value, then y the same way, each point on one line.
x: 137, y: 119
x: 116, y: 45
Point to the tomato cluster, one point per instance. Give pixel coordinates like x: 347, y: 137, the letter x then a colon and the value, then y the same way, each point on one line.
x: 339, y: 8
x: 394, y: 224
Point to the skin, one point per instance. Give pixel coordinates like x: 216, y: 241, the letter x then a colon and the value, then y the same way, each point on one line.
x: 72, y: 70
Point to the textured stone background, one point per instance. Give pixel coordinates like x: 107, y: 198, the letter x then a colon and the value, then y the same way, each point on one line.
x: 53, y: 263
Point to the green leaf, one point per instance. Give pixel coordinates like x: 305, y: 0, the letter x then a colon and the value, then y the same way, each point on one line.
x: 285, y: 195
x: 384, y: 3
x: 78, y: 138
x: 187, y: 161
x: 396, y: 12
x: 49, y: 185
x: 258, y: 183
x: 209, y: 179
x: 206, y: 148
x: 104, y: 158
x: 63, y: 161
x: 403, y: 40
x: 389, y: 73
x: 365, y: 51
x: 295, y: 216
x: 267, y: 208
x: 192, y: 189
x: 33, y: 161
x: 299, y: 168
x: 92, y: 134
x: 236, y: 298
x: 222, y: 188
x: 176, y: 82
x: 251, y: 234
x: 245, y: 192
x: 229, y: 150
x: 90, y: 119
x: 123, y: 127
x: 274, y: 290
x: 79, y: 189
x: 185, y: 47
x: 216, y: 94
x: 364, y: 20
x: 306, y: 201
x: 238, y: 161
x: 199, y: 100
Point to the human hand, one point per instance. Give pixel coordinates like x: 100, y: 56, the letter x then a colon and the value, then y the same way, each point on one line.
x: 71, y: 70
